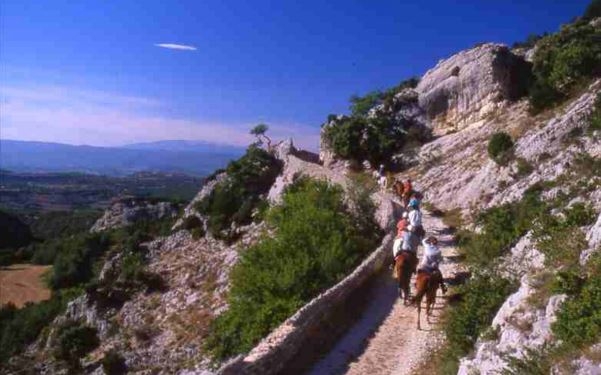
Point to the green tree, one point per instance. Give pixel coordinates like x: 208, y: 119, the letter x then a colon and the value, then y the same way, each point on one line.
x: 260, y: 131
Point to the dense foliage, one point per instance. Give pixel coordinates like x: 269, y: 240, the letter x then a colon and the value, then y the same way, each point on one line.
x: 373, y: 135
x: 55, y: 224
x: 113, y: 363
x: 234, y: 199
x: 501, y: 227
x: 317, y: 241
x: 19, y: 327
x: 500, y: 147
x: 482, y: 297
x: 13, y: 231
x: 74, y: 341
x: 565, y: 59
x: 579, y: 320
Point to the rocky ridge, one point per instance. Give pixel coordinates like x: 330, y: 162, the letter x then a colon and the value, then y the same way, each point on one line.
x: 128, y: 211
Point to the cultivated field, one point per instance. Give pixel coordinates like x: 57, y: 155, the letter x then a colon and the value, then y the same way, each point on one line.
x: 21, y: 283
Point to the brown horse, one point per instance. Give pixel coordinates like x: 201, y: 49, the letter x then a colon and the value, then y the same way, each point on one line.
x: 403, y: 267
x: 425, y: 284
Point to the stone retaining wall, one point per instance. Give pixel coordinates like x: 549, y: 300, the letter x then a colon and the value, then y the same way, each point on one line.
x: 278, y: 350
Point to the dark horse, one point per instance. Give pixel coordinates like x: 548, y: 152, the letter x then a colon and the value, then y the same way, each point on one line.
x: 426, y: 284
x: 404, y: 264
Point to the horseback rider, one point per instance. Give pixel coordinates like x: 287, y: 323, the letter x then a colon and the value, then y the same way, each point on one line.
x: 415, y: 220
x: 406, y: 242
x: 398, y: 188
x: 431, y: 261
x: 407, y: 190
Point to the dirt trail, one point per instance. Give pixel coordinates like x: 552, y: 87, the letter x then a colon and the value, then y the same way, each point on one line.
x: 21, y: 283
x: 385, y: 340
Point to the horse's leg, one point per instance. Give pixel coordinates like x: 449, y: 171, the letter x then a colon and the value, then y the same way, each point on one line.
x: 419, y: 310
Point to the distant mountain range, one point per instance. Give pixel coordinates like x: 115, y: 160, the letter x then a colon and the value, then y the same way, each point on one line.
x: 191, y: 157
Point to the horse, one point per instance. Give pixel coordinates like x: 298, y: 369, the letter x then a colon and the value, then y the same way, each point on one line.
x: 403, y: 268
x: 425, y: 285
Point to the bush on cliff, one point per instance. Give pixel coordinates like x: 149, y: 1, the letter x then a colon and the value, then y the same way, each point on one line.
x: 19, y: 327
x: 376, y: 136
x: 317, y: 242
x: 234, y: 199
x: 595, y: 120
x: 562, y: 61
x: 579, y: 319
x: 74, y: 340
x: 500, y: 146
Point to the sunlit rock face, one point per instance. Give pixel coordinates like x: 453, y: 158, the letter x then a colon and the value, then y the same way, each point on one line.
x: 472, y: 84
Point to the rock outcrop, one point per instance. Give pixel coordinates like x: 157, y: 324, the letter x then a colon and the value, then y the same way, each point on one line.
x: 471, y: 85
x: 129, y: 211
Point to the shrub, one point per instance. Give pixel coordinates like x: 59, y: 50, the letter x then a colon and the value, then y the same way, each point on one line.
x: 595, y: 120
x: 234, y: 199
x: 376, y: 137
x: 579, y: 319
x: 113, y: 363
x: 562, y: 60
x: 74, y: 340
x: 481, y: 297
x: 499, y: 147
x: 56, y: 224
x: 18, y: 328
x: 316, y: 243
x: 501, y: 227
x: 73, y: 264
x: 192, y: 222
x: 579, y: 215
x: 523, y: 167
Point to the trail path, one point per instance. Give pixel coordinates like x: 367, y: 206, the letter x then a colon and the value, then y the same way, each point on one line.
x: 385, y: 339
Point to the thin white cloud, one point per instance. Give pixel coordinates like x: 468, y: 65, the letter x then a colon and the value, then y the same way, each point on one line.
x: 181, y: 47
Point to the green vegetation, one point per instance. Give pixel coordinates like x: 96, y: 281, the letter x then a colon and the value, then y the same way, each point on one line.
x: 113, y: 363
x: 579, y: 320
x: 54, y: 224
x: 482, y: 297
x: 501, y: 227
x: 377, y: 137
x: 530, y: 41
x: 19, y: 327
x: 260, y: 131
x: 317, y: 241
x: 500, y: 147
x: 76, y: 259
x: 595, y: 120
x: 524, y: 168
x: 564, y: 60
x: 234, y: 200
x: 74, y: 340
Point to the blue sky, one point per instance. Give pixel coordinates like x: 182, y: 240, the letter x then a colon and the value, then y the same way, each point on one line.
x: 90, y: 72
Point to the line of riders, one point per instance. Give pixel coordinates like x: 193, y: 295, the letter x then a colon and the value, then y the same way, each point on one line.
x: 410, y: 233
